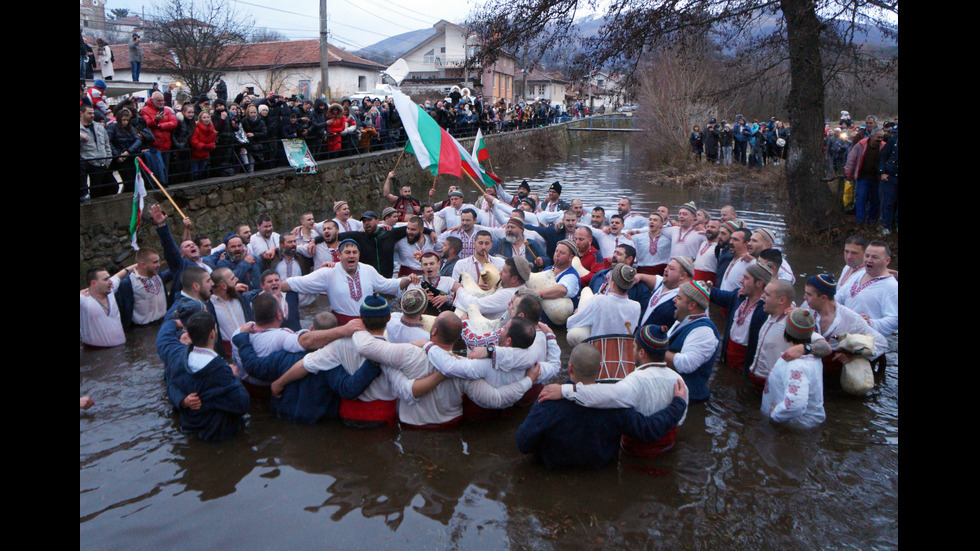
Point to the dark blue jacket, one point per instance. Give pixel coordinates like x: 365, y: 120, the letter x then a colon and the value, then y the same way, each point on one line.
x: 562, y: 433
x: 502, y: 248
x: 697, y: 380
x: 639, y: 292
x: 662, y: 315
x: 551, y: 237
x: 888, y: 161
x: 732, y: 300
x: 249, y: 274
x: 223, y: 398
x: 175, y: 262
x: 292, y: 304
x: 312, y: 398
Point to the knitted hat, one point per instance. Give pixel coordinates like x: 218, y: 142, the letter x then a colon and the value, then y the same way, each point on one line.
x: 732, y: 225
x: 690, y: 206
x: 375, y: 306
x: 685, y: 263
x: 653, y: 339
x: 762, y: 272
x: 338, y: 204
x: 698, y: 291
x: 530, y: 201
x: 516, y: 221
x: 228, y: 236
x: 413, y: 301
x: 523, y: 267
x: 387, y: 211
x: 555, y: 186
x: 570, y: 244
x: 767, y: 235
x: 824, y: 284
x: 455, y: 193
x: 623, y: 276
x: 800, y: 324
x: 100, y: 84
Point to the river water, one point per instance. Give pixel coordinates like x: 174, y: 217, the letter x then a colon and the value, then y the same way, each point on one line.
x: 732, y: 481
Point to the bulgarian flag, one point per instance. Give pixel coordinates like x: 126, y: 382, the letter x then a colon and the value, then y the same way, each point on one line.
x: 138, y: 194
x: 472, y: 167
x: 432, y: 145
x: 480, y: 153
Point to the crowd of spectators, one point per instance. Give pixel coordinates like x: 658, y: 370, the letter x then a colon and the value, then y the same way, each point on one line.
x: 183, y: 138
x: 745, y: 143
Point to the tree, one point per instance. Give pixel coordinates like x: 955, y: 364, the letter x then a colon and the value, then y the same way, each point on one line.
x: 801, y: 30
x: 264, y: 34
x: 119, y: 13
x: 196, y: 42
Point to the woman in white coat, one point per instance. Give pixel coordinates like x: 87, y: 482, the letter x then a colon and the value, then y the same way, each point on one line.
x: 104, y: 58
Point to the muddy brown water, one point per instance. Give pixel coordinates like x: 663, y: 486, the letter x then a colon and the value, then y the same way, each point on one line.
x: 732, y: 481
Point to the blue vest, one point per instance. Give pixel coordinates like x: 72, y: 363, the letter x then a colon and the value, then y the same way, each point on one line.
x: 697, y: 380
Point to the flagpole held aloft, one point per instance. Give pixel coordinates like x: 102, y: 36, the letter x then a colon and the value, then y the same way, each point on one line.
x: 157, y: 182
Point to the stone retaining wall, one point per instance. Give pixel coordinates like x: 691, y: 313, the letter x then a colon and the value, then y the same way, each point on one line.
x: 214, y: 205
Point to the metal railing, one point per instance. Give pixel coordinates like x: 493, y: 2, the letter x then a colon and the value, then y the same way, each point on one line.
x: 99, y: 180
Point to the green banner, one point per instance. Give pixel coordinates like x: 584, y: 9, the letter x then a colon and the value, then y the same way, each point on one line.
x: 299, y: 156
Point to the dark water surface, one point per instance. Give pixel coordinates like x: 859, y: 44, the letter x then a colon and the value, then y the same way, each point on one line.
x: 732, y: 481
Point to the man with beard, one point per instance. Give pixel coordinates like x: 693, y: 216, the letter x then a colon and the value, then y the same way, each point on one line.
x: 652, y: 246
x: 377, y: 244
x: 325, y: 245
x: 141, y: 296
x: 177, y: 259
x: 631, y: 220
x: 564, y: 229
x: 693, y: 339
x: 514, y: 245
x: 706, y: 262
x: 466, y: 233
x: 347, y: 283
x: 588, y: 255
x: 745, y: 316
x: 409, y: 249
x: 265, y: 243
x: 451, y: 248
x: 229, y: 306
x: 567, y: 281
x: 553, y: 203
x: 597, y: 219
x: 659, y: 310
x: 99, y: 322
x: 428, y: 217
x: 406, y: 205
x: 723, y: 251
x: 196, y: 286
x: 522, y: 191
x: 513, y: 276
x: 246, y: 268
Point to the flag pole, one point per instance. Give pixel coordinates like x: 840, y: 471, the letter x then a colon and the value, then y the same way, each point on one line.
x: 399, y: 160
x: 157, y: 182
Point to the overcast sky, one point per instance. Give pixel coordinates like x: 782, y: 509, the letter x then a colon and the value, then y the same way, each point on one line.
x: 353, y: 24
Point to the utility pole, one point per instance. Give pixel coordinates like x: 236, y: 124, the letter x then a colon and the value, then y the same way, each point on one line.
x: 324, y: 51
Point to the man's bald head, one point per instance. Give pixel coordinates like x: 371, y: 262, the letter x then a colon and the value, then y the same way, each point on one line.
x: 325, y: 320
x: 447, y: 328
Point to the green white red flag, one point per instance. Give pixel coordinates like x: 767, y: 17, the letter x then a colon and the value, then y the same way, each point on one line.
x: 480, y: 153
x: 433, y: 147
x: 138, y: 194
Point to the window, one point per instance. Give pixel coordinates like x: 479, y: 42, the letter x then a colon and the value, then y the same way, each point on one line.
x: 442, y: 50
x: 429, y: 56
x: 361, y: 83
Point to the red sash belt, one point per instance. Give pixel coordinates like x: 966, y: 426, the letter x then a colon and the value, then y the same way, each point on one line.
x: 649, y: 449
x: 652, y: 270
x: 436, y: 426
x: 343, y: 319
x: 226, y: 347
x: 701, y: 275
x: 473, y: 413
x: 735, y: 355
x: 759, y: 382
x: 830, y: 366
x: 376, y: 410
x: 258, y: 392
x: 405, y: 270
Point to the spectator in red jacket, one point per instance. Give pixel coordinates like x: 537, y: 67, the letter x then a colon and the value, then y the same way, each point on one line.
x: 161, y: 121
x: 202, y: 144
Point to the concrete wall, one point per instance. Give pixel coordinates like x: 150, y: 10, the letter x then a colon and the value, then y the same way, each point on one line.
x: 216, y: 204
